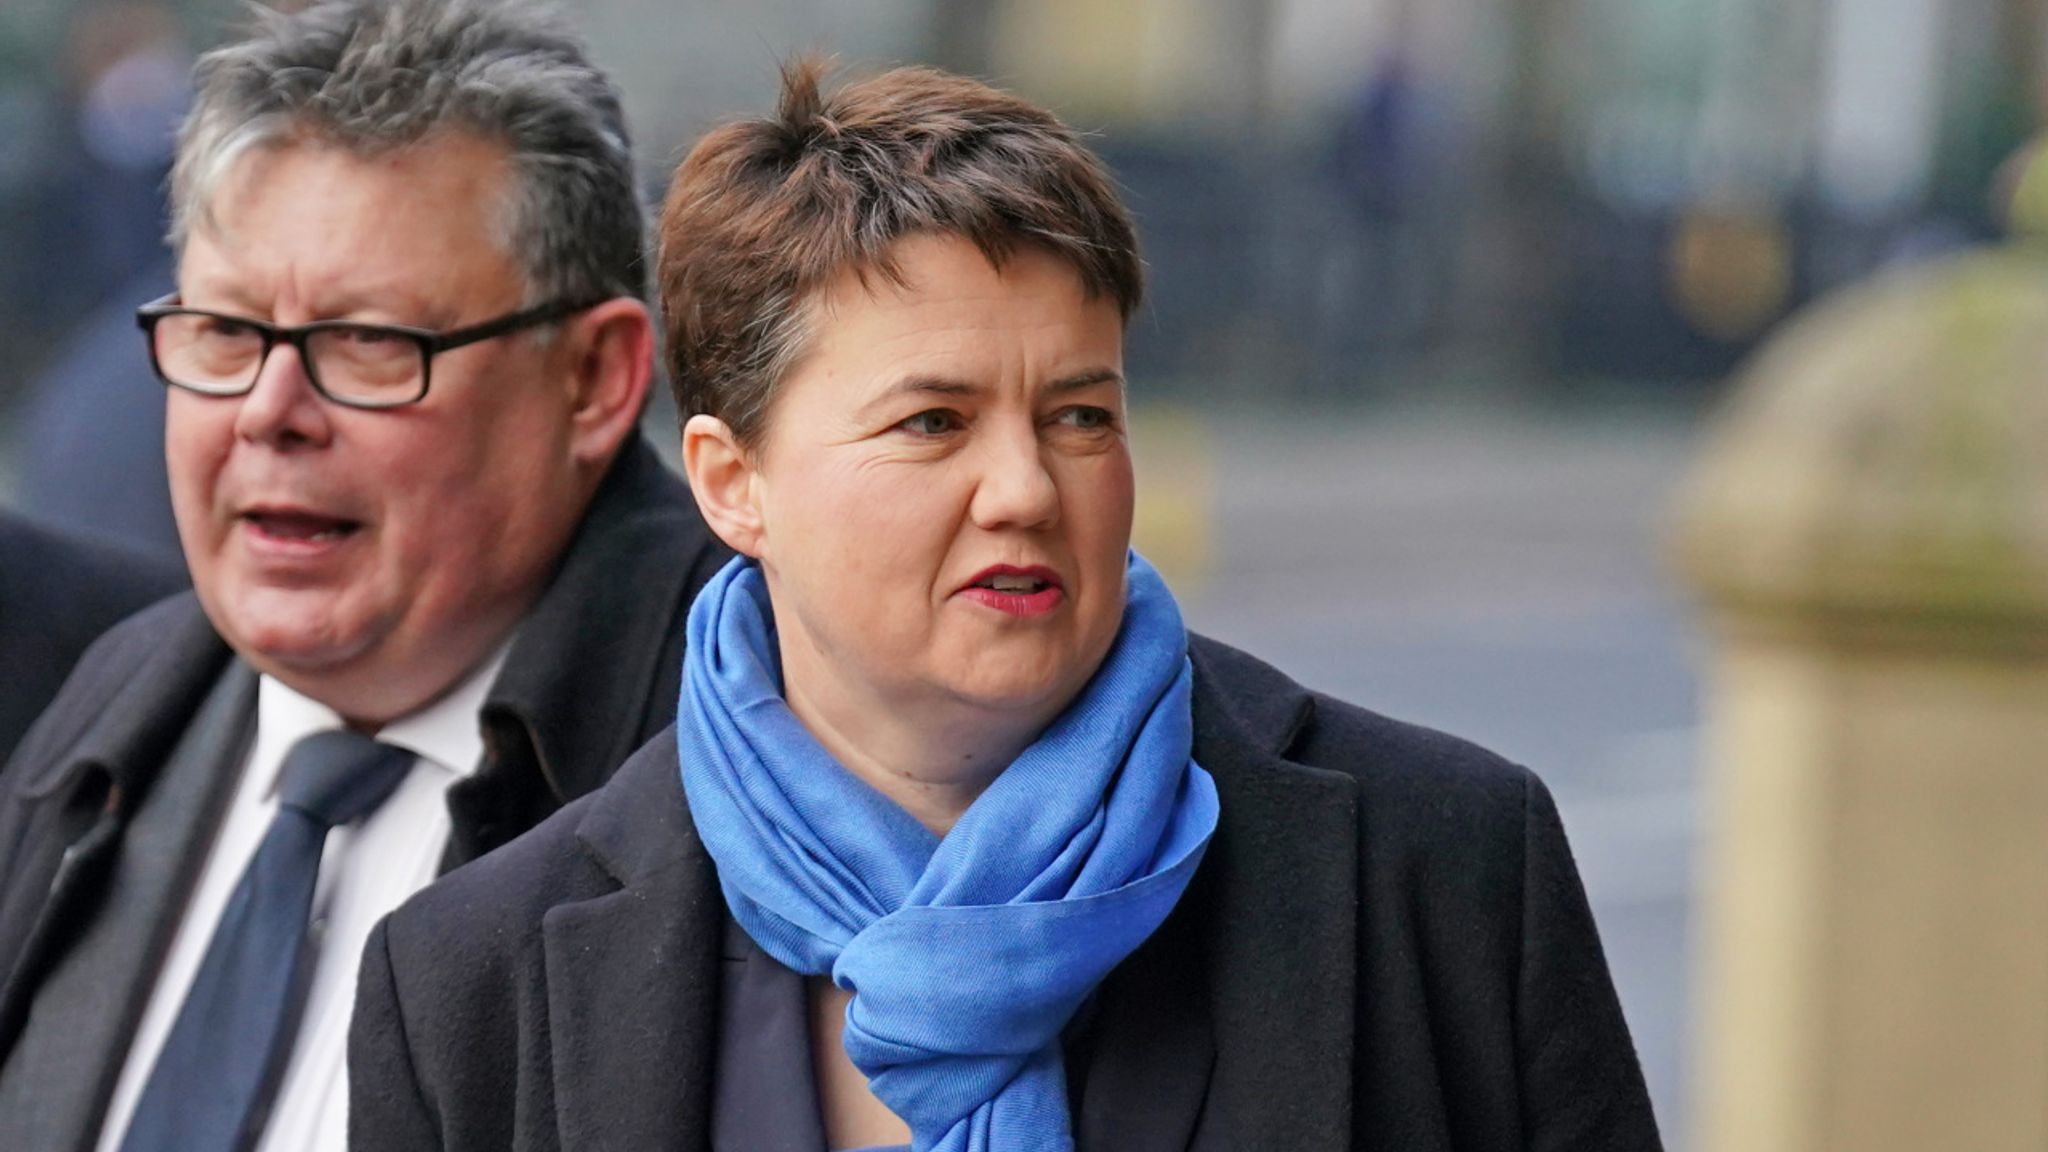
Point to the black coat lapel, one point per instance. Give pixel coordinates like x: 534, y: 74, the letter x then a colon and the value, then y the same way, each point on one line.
x: 633, y: 975
x: 105, y: 933
x: 85, y: 766
x: 1145, y: 1066
x: 1281, y: 918
x: 1239, y: 1011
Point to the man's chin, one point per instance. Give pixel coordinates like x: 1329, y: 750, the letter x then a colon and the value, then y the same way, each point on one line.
x: 291, y: 635
x: 316, y: 669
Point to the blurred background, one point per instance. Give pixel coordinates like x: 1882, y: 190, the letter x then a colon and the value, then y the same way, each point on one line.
x: 1440, y: 291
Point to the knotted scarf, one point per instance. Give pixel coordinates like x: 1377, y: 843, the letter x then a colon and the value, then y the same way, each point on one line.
x: 967, y: 955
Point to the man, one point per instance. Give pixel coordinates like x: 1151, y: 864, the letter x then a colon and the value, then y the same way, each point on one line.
x: 406, y: 360
x: 58, y: 592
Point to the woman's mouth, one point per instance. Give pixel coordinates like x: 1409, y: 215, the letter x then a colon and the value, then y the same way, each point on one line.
x: 1020, y: 592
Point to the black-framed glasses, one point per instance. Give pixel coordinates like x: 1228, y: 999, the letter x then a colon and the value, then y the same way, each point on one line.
x: 353, y: 364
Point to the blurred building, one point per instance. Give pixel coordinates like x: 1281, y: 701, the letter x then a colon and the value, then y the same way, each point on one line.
x: 1339, y: 195
x: 1341, y: 198
x: 1585, y: 188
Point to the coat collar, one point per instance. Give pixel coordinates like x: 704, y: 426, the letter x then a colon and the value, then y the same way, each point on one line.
x: 576, y: 683
x: 1243, y: 999
x: 168, y: 657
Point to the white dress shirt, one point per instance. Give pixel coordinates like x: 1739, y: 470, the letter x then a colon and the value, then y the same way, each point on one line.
x: 366, y: 869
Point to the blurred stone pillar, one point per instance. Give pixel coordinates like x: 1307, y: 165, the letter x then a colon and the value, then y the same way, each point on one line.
x: 1868, y: 530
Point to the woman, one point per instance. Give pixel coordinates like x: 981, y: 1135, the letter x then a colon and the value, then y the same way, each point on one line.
x: 962, y: 842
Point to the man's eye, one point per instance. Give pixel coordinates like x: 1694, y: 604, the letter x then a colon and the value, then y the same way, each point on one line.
x: 224, y: 328
x: 365, y: 337
x: 1088, y: 417
x: 933, y: 422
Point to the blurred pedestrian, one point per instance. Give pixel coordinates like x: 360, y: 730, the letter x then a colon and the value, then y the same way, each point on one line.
x: 86, y: 433
x: 439, y: 579
x: 93, y: 215
x: 88, y: 436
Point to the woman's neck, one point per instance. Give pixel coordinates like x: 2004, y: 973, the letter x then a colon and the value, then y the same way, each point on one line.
x: 932, y: 761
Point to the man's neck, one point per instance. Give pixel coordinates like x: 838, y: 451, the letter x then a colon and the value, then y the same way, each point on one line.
x: 443, y: 730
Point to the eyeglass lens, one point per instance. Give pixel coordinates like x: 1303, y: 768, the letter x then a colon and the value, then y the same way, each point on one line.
x: 216, y: 354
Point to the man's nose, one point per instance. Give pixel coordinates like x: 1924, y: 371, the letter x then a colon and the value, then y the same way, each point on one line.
x: 283, y: 408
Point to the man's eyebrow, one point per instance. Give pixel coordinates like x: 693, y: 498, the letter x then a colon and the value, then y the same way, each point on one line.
x: 237, y: 297
x: 221, y: 295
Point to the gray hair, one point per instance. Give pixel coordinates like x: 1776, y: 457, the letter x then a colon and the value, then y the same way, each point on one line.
x: 375, y: 75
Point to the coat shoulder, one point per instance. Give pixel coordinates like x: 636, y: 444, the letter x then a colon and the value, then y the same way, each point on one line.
x: 1386, y: 756
x: 172, y: 631
x: 468, y: 926
x: 1435, y: 812
x: 1473, y: 933
x: 117, y: 654
x: 1394, y: 760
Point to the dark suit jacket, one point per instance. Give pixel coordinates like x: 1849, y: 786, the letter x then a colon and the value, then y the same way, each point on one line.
x: 1386, y: 948
x: 593, y: 673
x: 57, y: 594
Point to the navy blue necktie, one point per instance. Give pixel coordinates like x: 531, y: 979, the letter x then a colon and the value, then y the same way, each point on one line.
x: 211, y: 1088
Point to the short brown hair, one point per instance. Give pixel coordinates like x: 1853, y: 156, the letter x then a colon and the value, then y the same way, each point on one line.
x: 765, y: 212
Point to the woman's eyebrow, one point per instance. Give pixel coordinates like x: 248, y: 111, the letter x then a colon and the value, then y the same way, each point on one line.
x: 925, y: 384
x: 1085, y: 379
x: 921, y: 384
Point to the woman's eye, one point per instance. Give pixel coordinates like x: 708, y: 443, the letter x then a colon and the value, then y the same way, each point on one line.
x: 935, y: 422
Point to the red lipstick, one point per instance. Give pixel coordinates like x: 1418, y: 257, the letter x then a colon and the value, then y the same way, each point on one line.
x: 1021, y: 592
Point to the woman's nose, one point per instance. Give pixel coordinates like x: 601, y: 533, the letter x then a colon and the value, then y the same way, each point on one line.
x: 283, y: 408
x: 1016, y: 490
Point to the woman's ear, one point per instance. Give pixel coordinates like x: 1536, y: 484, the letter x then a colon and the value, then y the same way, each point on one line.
x: 721, y: 474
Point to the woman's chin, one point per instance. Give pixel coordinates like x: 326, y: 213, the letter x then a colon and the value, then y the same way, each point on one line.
x: 1012, y: 691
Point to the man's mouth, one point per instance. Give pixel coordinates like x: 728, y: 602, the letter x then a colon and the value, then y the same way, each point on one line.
x: 301, y: 527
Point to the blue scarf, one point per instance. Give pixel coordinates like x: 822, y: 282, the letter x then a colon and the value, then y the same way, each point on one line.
x: 966, y: 955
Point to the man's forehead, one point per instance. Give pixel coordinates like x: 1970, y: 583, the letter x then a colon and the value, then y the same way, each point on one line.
x: 443, y: 164
x: 358, y: 230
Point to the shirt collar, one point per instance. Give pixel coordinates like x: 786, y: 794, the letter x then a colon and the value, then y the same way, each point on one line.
x: 444, y: 733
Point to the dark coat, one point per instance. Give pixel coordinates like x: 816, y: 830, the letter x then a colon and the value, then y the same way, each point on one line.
x: 57, y: 594
x: 594, y: 671
x: 1387, y: 948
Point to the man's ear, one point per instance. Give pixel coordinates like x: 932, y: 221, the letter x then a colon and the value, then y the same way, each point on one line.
x: 613, y: 350
x: 721, y: 474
